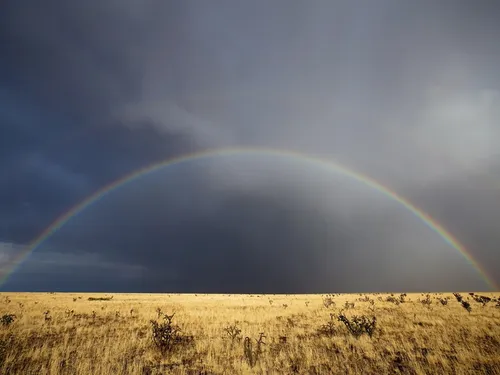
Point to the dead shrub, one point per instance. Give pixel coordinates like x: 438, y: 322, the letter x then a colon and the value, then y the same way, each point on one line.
x: 252, y: 354
x: 358, y: 324
x: 166, y: 335
x: 7, y: 319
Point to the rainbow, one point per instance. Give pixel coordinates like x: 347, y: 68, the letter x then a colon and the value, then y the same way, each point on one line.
x: 332, y: 166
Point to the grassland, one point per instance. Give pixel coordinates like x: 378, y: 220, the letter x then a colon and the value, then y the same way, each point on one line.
x: 65, y: 333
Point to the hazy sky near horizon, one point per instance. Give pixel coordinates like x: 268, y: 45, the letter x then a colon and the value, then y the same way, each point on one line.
x: 405, y: 92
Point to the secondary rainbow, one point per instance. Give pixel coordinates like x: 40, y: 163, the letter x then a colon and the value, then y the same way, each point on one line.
x: 14, y: 263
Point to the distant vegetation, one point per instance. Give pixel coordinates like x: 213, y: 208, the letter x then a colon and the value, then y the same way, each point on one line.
x: 100, y: 298
x: 239, y: 334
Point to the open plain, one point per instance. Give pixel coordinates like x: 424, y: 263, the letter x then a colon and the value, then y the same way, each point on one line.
x: 79, y: 333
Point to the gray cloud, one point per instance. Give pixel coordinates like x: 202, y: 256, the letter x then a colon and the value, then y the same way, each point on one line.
x: 405, y: 92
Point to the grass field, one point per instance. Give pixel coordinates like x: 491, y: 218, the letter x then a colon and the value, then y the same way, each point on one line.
x: 66, y: 333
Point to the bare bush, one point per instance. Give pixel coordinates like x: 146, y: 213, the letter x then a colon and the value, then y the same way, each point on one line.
x: 443, y: 301
x: 427, y: 301
x: 466, y: 306
x: 481, y: 299
x: 165, y: 334
x: 159, y: 312
x: 348, y: 305
x: 364, y: 299
x: 393, y: 300
x: 252, y: 355
x: 233, y: 332
x: 458, y: 297
x: 7, y: 319
x: 372, y: 306
x: 329, y: 328
x: 328, y: 302
x: 359, y: 325
x: 47, y: 316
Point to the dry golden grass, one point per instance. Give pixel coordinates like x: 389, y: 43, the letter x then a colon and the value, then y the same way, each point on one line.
x: 85, y: 337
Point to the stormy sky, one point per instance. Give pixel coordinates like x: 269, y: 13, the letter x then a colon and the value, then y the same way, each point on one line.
x: 406, y: 92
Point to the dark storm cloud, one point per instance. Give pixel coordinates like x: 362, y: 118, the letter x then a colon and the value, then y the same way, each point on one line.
x: 169, y: 233
x: 406, y: 92
x: 39, y: 184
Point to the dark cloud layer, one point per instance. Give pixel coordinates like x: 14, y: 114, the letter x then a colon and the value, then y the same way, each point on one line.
x: 406, y: 92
